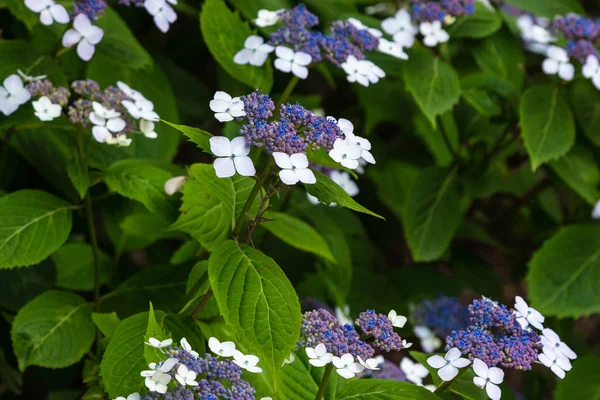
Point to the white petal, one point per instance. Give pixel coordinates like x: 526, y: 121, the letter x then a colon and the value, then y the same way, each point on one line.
x: 161, y: 22
x: 558, y: 53
x: 566, y: 72
x: 550, y: 335
x: 220, y: 95
x: 46, y: 17
x: 563, y: 363
x: 453, y: 354
x: 461, y: 362
x: 545, y: 360
x: 480, y: 368
x: 243, y: 57
x: 335, y: 155
x: 147, y: 128
x: 300, y: 71
x: 390, y: 25
x: 253, y: 42
x: 430, y: 41
x: 306, y: 176
x: 288, y: 176
x: 310, y: 352
x: 116, y: 125
x: 442, y: 36
x: 345, y: 373
x: 283, y: 65
x: 436, y: 361
x: 244, y: 166
x: 559, y: 372
x: 426, y: 28
x: 282, y: 160
x: 349, y: 163
x: 227, y: 349
x: 550, y: 66
x: 302, y: 58
x: 356, y: 368
x: 368, y: 157
x: 285, y: 53
x: 82, y: 24
x: 85, y: 50
x: 258, y: 58
x: 493, y: 391
x: 70, y: 38
x: 496, y: 375
x: 566, y: 351
x: 100, y: 133
x: 219, y: 106
x: 59, y: 13
x: 447, y: 373
x: 479, y: 382
x: 36, y: 5
x: 318, y: 362
x: 299, y: 160
x: 220, y: 146
x: 168, y: 364
x: 239, y: 147
x: 224, y: 168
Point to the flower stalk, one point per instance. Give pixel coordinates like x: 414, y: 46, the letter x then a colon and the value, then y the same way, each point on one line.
x: 324, y: 382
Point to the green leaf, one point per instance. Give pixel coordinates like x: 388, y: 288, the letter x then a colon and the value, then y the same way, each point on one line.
x: 563, y: 277
x: 481, y: 101
x: 106, y: 322
x: 501, y: 55
x: 144, y: 183
x: 434, y: 139
x: 78, y: 173
x: 20, y: 285
x: 579, y: 170
x: 478, y: 25
x: 432, y: 213
x: 153, y: 330
x: 300, y: 380
x: 298, y: 234
x: 124, y: 357
x: 547, y: 124
x: 581, y: 382
x: 585, y: 103
x: 211, y: 205
x: 185, y: 252
x: 224, y: 33
x: 196, y: 135
x: 257, y: 301
x: 54, y: 330
x: 75, y: 267
x: 182, y: 326
x: 375, y: 389
x: 34, y: 224
x: 329, y: 192
x: 393, y: 182
x: 433, y: 83
x: 549, y: 8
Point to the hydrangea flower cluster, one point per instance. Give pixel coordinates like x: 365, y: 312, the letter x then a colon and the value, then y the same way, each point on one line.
x: 442, y: 315
x: 442, y: 11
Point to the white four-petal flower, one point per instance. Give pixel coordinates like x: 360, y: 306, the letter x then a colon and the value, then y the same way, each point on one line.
x: 105, y: 121
x: 226, y: 108
x: 147, y: 128
x: 292, y: 61
x: 157, y: 378
x: 345, y: 153
x: 132, y: 396
x: 357, y: 70
x: 535, y: 36
x: 414, y: 371
x: 185, y: 345
x: 159, y: 344
x: 318, y: 357
x: 346, y: 367
x: 401, y: 28
x: 85, y: 35
x: 129, y: 92
x: 526, y: 315
x: 266, y: 18
x: 558, y: 63
x: 488, y: 378
x: 233, y: 156
x: 361, y: 143
x: 290, y: 359
x: 141, y: 108
x: 552, y: 340
x: 45, y: 110
x: 369, y: 363
x: 49, y: 11
x: 163, y: 13
x: 448, y: 365
x: 223, y: 349
x: 294, y: 168
x: 429, y: 342
x: 392, y: 48
x: 13, y: 94
x: 433, y: 34
x: 397, y: 320
x: 255, y: 51
x: 246, y: 361
x: 556, y: 362
x: 591, y: 70
x: 185, y: 376
x: 344, y: 180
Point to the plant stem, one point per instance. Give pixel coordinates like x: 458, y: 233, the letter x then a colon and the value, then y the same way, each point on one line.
x: 445, y: 385
x: 324, y: 382
x: 202, y: 303
x: 287, y: 92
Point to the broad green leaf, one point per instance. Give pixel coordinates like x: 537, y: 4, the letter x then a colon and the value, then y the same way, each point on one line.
x: 20, y: 285
x: 144, y: 183
x: 182, y: 326
x: 433, y: 83
x: 298, y: 234
x: 549, y: 8
x: 224, y: 33
x: 75, y: 266
x: 563, y: 277
x: 124, y: 357
x: 579, y: 170
x: 22, y: 13
x: 16, y: 54
x: 329, y: 192
x: 211, y: 205
x: 257, y: 301
x: 585, y: 103
x: 393, y: 182
x: 502, y: 55
x: 432, y: 213
x: 481, y: 101
x: 77, y: 170
x: 54, y: 330
x: 196, y: 135
x: 547, y: 124
x: 33, y: 224
x: 435, y: 141
x: 478, y: 25
x: 106, y: 322
x: 581, y: 382
x: 375, y: 389
x: 185, y: 252
x: 300, y: 380
x: 153, y: 330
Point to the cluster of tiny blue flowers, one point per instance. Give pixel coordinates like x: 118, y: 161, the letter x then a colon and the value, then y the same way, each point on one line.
x: 582, y: 35
x: 43, y: 87
x: 423, y: 10
x: 442, y: 315
x: 296, y: 129
x: 380, y: 329
x: 92, y: 8
x: 495, y: 337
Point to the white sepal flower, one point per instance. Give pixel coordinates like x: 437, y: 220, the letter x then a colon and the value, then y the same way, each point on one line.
x: 319, y: 357
x: 374, y: 73
x: 591, y: 70
x: 369, y: 363
x: 414, y: 371
x: 357, y: 70
x: 429, y: 342
x: 344, y: 180
x: 294, y: 168
x: 13, y: 94
x: 85, y: 35
x: 255, y: 51
x: 346, y: 367
x: 142, y: 108
x: 232, y: 156
x: 29, y: 78
x: 163, y: 14
x: 433, y: 34
x: 173, y: 186
x: 363, y: 144
x: 132, y: 396
x: 556, y: 362
x: 223, y: 349
x: 345, y: 153
x: 558, y: 63
x: 266, y: 18
x: 45, y: 110
x: 360, y: 26
x: 129, y: 92
x: 147, y: 128
x: 448, y: 365
x: 526, y: 315
x: 159, y: 344
x: 185, y: 345
x: 290, y: 359
x: 226, y: 108
x: 158, y: 382
x: 552, y: 340
x: 397, y: 320
x: 292, y: 61
x: 105, y: 121
x: 246, y: 361
x: 535, y: 36
x: 392, y: 48
x: 405, y: 344
x: 488, y: 378
x: 596, y: 211
x: 342, y: 314
x: 49, y: 11
x: 186, y: 377
x: 119, y: 140
x: 401, y: 28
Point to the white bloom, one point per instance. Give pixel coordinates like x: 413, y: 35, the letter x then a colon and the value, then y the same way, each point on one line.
x: 85, y: 35
x: 345, y: 153
x: 45, y: 110
x: 397, y: 320
x: 290, y: 359
x: 226, y: 108
x: 173, y: 186
x: 488, y: 378
x: 290, y: 61
x: 595, y: 211
x: 558, y: 63
x: 225, y: 349
x: 29, y: 78
x: 433, y: 34
x: 344, y: 180
x: 246, y: 361
x: 157, y: 378
x: 346, y: 367
x: 357, y: 70
x: 363, y: 144
x: 414, y: 371
x: 185, y: 376
x: 266, y: 18
x: 184, y: 343
x: 105, y: 121
x: 591, y: 70
x: 552, y: 340
x: 401, y: 28
x: 342, y: 314
x: 431, y: 388
x: 294, y: 168
x: 374, y: 73
x: 13, y: 94
x: 405, y: 344
x: 147, y: 128
x: 163, y: 366
x: 526, y: 315
x: 129, y: 92
x: 369, y: 363
x: 132, y: 396
x: 449, y: 364
x: 142, y: 108
x: 163, y: 13
x: 319, y: 357
x: 392, y: 48
x: 535, y: 36
x: 360, y: 26
x: 120, y: 140
x: 49, y: 11
x: 556, y: 362
x: 255, y: 52
x: 233, y: 156
x: 429, y: 342
x: 153, y: 342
